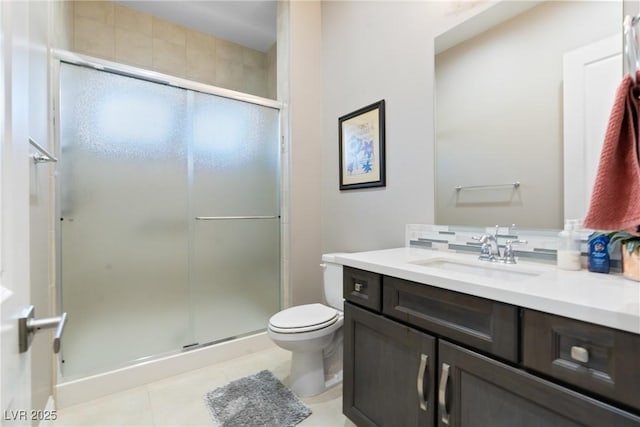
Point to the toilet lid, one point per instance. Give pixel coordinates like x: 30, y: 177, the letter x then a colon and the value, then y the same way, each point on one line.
x: 303, y: 318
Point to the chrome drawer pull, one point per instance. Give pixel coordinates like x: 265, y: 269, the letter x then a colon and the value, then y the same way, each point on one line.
x: 358, y: 286
x: 442, y: 394
x: 424, y: 363
x: 580, y: 354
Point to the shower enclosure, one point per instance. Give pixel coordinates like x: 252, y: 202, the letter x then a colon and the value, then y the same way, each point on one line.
x: 169, y: 218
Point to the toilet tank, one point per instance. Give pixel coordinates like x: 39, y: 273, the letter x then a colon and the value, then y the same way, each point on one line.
x: 332, y: 281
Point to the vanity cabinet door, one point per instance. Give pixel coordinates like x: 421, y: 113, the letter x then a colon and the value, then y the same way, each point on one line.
x: 487, y: 325
x: 476, y: 391
x: 389, y: 372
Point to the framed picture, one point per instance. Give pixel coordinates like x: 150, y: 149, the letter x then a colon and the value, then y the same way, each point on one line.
x: 361, y: 136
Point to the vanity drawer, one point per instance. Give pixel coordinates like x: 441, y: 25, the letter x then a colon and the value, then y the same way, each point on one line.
x: 595, y: 358
x: 485, y: 325
x: 362, y: 287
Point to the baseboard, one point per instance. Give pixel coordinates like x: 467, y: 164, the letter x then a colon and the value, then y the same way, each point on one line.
x: 100, y: 385
x: 49, y: 415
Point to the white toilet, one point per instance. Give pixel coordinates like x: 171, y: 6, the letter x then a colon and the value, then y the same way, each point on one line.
x: 313, y: 333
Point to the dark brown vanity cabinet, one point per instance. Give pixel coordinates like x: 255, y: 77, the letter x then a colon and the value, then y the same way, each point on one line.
x: 478, y: 391
x: 433, y: 357
x: 390, y: 369
x: 595, y: 358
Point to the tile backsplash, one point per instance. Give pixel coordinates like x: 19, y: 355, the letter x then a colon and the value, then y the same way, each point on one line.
x: 541, y: 246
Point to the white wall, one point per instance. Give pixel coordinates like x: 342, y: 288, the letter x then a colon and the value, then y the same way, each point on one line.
x: 40, y: 198
x: 341, y: 56
x: 23, y: 50
x: 373, y: 51
x: 304, y: 106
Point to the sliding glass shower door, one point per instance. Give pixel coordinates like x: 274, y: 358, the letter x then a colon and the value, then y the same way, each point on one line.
x: 139, y: 163
x: 236, y: 256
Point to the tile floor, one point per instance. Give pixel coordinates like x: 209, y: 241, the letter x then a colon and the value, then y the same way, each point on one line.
x: 178, y: 400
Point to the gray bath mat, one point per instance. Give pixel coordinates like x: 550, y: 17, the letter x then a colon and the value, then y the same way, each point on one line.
x: 256, y: 400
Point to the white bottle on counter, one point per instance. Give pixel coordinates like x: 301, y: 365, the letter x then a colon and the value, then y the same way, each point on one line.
x: 568, y: 248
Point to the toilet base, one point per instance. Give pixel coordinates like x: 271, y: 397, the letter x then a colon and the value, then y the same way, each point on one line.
x: 307, y: 373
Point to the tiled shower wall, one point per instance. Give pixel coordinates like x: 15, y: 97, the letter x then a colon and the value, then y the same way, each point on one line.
x: 114, y: 32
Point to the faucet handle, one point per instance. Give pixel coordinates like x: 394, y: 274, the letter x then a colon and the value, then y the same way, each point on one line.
x: 509, y: 257
x: 486, y: 253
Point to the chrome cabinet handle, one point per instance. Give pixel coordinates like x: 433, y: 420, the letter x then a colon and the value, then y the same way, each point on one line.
x: 442, y: 394
x: 424, y: 363
x: 358, y: 286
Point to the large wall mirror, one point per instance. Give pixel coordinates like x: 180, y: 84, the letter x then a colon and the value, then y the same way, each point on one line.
x: 502, y: 83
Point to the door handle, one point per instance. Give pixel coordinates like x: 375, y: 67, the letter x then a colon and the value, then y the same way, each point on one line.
x: 424, y: 363
x: 28, y: 325
x: 442, y: 394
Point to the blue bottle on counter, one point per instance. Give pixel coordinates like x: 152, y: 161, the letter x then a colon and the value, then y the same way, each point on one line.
x: 599, y: 253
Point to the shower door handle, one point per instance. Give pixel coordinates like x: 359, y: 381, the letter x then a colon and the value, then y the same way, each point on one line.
x: 28, y: 325
x: 214, y: 218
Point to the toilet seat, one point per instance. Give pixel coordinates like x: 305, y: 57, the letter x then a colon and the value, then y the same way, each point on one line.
x: 303, y: 318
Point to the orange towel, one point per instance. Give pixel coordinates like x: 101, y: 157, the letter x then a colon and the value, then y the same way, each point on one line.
x: 615, y: 200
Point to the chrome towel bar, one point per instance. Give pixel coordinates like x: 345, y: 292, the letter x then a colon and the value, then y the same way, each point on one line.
x: 467, y: 187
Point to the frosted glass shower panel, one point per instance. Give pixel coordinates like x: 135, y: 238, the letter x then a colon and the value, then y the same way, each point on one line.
x: 124, y: 219
x: 236, y: 277
x: 236, y: 257
x: 235, y: 157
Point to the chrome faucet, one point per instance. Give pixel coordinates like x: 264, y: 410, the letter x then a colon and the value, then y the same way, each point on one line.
x: 490, y: 250
x: 509, y: 255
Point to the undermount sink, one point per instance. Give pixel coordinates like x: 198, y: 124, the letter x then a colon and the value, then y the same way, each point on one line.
x: 507, y: 272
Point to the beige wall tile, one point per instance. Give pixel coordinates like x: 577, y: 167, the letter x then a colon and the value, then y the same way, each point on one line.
x: 272, y: 55
x: 134, y: 48
x: 169, y: 58
x: 228, y: 52
x: 115, y: 32
x: 94, y: 38
x: 201, y: 62
x: 203, y: 74
x: 168, y: 31
x: 102, y: 11
x: 272, y: 72
x: 63, y: 24
x: 229, y: 75
x: 254, y: 81
x: 253, y: 58
x: 133, y: 20
x: 201, y: 41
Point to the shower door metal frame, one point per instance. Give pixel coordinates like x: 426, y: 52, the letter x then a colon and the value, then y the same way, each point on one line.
x: 60, y: 56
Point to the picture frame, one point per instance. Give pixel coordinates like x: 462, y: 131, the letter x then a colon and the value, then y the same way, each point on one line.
x: 361, y: 136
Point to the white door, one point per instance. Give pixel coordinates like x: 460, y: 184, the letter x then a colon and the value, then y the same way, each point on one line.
x: 15, y: 394
x: 591, y: 76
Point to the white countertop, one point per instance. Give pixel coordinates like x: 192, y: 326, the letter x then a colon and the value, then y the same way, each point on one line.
x: 603, y: 299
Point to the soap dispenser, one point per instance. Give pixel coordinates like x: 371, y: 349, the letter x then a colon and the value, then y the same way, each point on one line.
x: 568, y: 254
